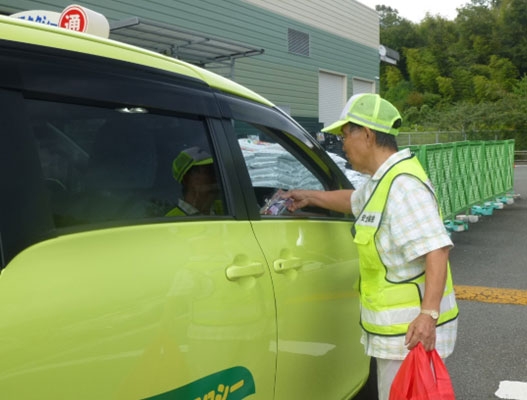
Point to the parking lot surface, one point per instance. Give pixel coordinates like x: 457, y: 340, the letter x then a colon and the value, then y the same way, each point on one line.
x: 489, y: 266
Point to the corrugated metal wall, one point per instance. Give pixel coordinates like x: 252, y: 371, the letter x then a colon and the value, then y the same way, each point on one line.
x: 345, y: 18
x: 343, y: 37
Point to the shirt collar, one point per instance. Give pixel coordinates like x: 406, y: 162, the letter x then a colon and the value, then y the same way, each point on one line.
x: 187, y: 208
x: 393, y: 159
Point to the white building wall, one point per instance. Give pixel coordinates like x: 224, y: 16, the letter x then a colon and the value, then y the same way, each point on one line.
x: 346, y: 18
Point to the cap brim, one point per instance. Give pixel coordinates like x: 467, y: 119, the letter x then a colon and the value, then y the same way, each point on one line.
x: 336, y: 127
x: 205, y: 161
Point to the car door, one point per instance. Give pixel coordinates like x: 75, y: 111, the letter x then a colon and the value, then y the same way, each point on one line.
x: 104, y: 294
x: 312, y: 256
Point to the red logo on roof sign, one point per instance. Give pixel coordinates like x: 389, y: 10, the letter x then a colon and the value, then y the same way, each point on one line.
x: 74, y: 18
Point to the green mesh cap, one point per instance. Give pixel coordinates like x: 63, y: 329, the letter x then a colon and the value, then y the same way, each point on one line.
x: 187, y: 159
x: 370, y: 110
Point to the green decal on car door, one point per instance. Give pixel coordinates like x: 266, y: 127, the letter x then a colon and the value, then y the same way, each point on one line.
x: 230, y: 384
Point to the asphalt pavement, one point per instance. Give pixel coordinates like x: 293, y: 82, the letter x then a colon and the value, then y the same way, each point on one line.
x: 490, y: 358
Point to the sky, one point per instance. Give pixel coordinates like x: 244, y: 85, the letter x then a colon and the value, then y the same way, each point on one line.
x: 415, y: 10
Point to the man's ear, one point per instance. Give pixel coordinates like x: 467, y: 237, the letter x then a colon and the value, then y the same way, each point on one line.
x: 369, y: 136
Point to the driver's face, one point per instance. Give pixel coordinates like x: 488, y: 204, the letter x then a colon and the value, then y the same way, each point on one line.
x: 201, y: 187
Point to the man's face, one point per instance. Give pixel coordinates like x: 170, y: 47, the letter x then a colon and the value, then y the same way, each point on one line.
x: 354, y: 146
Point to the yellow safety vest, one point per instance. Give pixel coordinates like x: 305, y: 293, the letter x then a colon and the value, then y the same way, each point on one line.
x: 176, y: 212
x: 387, y: 308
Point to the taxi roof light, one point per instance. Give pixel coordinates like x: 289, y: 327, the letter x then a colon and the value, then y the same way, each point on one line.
x: 73, y: 17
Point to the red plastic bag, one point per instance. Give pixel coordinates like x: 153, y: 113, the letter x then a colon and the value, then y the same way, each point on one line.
x: 422, y: 376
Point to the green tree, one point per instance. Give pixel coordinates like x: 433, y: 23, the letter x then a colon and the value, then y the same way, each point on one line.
x: 503, y: 72
x: 475, y: 25
x: 469, y: 74
x: 438, y: 35
x: 391, y: 77
x: 422, y: 69
x: 485, y: 89
x: 511, y: 31
x: 446, y: 88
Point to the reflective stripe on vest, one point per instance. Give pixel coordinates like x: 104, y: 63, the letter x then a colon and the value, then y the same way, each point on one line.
x: 387, y: 308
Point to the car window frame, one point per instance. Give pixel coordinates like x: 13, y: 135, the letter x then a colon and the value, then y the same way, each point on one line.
x: 295, y: 140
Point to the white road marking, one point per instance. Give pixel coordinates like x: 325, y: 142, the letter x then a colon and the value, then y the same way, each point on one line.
x: 512, y: 390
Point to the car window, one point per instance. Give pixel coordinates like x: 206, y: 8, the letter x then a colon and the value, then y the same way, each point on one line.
x: 269, y: 163
x: 271, y: 167
x: 115, y: 164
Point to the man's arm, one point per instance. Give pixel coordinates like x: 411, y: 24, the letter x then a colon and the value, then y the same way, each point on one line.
x: 423, y: 328
x: 336, y: 200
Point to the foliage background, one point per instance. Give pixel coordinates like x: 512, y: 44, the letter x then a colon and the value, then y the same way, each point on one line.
x: 467, y: 75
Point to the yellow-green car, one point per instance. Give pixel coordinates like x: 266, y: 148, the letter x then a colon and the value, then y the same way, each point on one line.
x: 142, y: 256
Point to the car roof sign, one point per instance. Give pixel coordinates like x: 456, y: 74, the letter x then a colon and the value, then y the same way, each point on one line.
x: 74, y: 17
x: 82, y: 19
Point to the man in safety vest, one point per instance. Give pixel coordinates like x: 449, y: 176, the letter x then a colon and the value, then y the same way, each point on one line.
x: 406, y: 285
x: 194, y: 169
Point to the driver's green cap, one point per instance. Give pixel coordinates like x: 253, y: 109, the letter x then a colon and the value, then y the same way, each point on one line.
x: 187, y: 159
x: 370, y: 110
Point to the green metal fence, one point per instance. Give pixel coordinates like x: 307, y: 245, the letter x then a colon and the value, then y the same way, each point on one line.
x: 468, y: 173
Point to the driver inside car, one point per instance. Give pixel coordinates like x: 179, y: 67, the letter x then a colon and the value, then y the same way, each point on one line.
x: 194, y: 169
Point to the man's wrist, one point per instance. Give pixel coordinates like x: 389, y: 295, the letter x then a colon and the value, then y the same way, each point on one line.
x: 434, y: 314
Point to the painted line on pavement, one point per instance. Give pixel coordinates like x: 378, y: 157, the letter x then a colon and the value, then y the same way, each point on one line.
x: 491, y: 295
x: 512, y: 390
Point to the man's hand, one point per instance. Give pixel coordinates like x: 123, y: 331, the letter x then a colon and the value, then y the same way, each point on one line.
x: 300, y: 199
x: 422, y: 329
x: 336, y: 200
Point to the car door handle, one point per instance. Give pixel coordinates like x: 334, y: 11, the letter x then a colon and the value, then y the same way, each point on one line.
x: 234, y: 272
x: 284, y: 264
